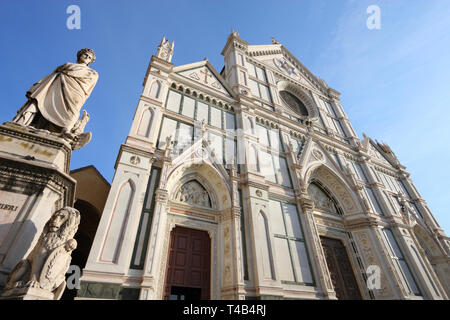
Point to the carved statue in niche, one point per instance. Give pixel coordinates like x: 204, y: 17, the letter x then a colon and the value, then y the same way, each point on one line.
x: 193, y: 193
x: 321, y: 199
x: 46, y: 265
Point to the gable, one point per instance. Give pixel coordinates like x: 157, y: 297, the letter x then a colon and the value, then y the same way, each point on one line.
x: 280, y: 59
x: 200, y: 152
x: 373, y: 152
x: 205, y: 76
x: 284, y: 68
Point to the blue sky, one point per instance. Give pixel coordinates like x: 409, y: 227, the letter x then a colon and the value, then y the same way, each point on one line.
x: 394, y: 82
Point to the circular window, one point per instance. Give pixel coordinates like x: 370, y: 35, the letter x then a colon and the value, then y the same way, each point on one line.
x: 294, y: 103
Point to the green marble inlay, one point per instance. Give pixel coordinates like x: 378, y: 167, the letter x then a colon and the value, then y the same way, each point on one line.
x: 107, y: 291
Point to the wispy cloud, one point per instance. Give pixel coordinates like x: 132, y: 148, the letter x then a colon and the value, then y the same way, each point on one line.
x: 395, y: 84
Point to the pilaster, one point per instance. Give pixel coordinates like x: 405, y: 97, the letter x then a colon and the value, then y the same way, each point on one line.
x: 321, y: 273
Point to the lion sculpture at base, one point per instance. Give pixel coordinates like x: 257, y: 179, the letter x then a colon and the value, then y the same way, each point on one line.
x: 46, y: 265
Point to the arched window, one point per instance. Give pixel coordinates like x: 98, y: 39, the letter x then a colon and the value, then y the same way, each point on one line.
x: 323, y: 200
x: 118, y: 222
x: 193, y: 193
x: 145, y: 123
x: 155, y: 89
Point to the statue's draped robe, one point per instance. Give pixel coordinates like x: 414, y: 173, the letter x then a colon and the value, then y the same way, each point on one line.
x: 60, y: 95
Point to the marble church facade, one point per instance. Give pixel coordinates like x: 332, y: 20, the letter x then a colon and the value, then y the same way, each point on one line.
x: 251, y: 183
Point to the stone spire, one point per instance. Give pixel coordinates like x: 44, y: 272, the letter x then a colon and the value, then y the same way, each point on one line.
x: 165, y: 50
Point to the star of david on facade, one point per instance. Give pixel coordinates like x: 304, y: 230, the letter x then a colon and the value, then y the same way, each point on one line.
x: 286, y: 67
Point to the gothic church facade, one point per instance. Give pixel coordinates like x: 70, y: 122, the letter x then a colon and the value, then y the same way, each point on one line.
x: 251, y: 183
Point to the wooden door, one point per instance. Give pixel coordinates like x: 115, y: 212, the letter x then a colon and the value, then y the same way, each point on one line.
x: 188, y: 265
x: 341, y: 270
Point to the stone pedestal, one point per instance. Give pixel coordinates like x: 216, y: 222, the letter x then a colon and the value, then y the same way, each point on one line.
x: 34, y: 183
x: 27, y: 294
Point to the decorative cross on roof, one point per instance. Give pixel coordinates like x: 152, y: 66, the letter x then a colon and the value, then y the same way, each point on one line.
x: 207, y: 74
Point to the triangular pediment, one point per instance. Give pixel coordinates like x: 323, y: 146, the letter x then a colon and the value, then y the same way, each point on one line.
x: 314, y: 153
x: 200, y: 151
x: 286, y: 64
x: 206, y: 75
x: 378, y: 155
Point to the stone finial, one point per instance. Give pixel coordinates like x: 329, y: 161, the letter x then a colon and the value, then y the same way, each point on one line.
x: 232, y: 166
x: 351, y: 175
x: 203, y: 128
x: 291, y: 146
x: 365, y: 142
x: 347, y: 169
x: 165, y: 49
x: 169, y: 142
x: 402, y: 200
x: 42, y: 274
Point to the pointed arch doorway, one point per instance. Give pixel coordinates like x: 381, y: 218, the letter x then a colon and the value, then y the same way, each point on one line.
x: 336, y: 256
x: 188, y: 265
x: 341, y: 270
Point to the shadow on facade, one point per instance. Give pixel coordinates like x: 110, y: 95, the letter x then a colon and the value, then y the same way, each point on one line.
x: 91, y: 194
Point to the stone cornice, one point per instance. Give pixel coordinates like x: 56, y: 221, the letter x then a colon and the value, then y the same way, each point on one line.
x: 150, y: 100
x: 385, y: 169
x: 334, y: 94
x: 162, y: 77
x: 257, y: 184
x: 361, y: 222
x: 210, y: 212
x: 196, y: 86
x: 40, y: 137
x: 160, y: 64
x: 133, y: 150
x: 208, y: 65
x: 246, y: 100
x: 30, y: 175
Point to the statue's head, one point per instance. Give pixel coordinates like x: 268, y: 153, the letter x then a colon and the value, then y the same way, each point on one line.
x: 65, y: 222
x: 57, y: 220
x: 86, y: 56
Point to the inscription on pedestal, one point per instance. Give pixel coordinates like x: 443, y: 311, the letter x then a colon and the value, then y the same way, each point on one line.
x: 9, y: 209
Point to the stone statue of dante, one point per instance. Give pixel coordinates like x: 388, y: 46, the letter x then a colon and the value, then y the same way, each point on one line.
x: 54, y: 102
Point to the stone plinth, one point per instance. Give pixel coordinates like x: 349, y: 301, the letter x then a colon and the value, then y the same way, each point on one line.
x: 35, y: 144
x: 34, y: 183
x: 28, y: 293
